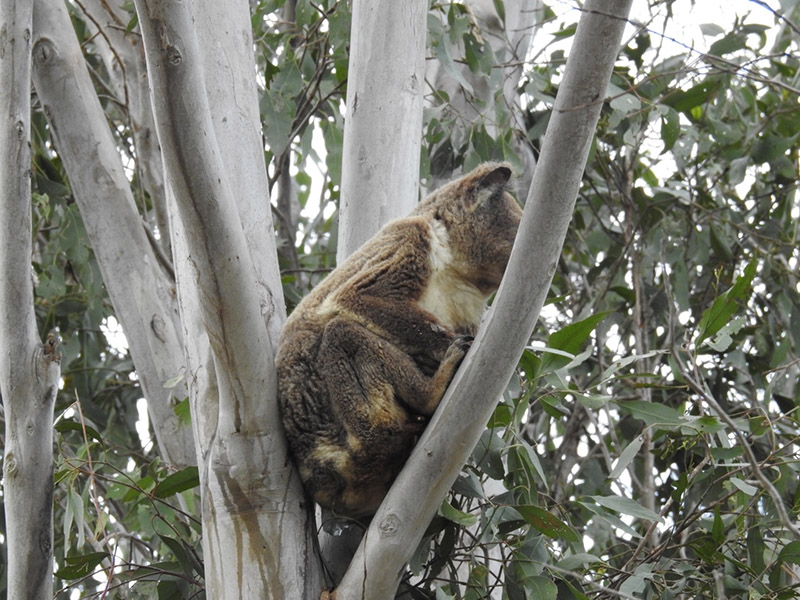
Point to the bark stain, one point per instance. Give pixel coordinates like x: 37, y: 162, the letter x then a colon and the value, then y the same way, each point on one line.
x: 239, y: 506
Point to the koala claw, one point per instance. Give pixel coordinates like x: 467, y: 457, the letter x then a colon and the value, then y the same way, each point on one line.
x: 464, y: 342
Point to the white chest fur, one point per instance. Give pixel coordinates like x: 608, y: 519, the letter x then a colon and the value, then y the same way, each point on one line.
x: 455, y: 301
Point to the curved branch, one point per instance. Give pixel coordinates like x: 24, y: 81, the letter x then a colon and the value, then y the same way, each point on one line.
x: 701, y: 389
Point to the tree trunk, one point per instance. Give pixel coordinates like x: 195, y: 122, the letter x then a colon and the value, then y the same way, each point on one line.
x: 400, y: 522
x: 256, y: 542
x: 383, y: 127
x: 29, y: 371
x: 139, y: 287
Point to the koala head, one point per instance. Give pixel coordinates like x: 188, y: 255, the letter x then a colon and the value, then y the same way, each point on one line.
x: 481, y: 219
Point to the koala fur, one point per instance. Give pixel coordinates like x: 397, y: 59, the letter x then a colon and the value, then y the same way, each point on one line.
x: 365, y: 358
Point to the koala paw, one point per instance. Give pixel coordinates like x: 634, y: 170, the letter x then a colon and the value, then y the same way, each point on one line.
x: 464, y: 342
x: 458, y: 348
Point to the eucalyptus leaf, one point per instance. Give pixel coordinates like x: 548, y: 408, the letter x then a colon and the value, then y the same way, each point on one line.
x: 626, y: 506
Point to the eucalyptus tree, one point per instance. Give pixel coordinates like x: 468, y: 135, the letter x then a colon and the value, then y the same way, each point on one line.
x: 645, y: 441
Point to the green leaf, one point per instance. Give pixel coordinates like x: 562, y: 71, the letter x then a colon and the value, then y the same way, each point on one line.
x: 685, y: 101
x: 635, y: 585
x: 500, y: 7
x: 278, y: 111
x: 628, y: 454
x: 718, y: 527
x: 711, y: 29
x: 566, y: 31
x: 579, y: 560
x: 755, y: 549
x: 469, y: 484
x: 626, y: 506
x: 730, y: 43
x: 441, y: 594
x: 721, y: 311
x: 652, y: 413
x: 626, y: 103
x: 533, y: 459
x: 701, y: 424
x: 83, y: 565
x: 593, y: 401
x: 621, y: 363
x: 742, y: 486
x: 722, y: 340
x: 487, y: 455
x: 458, y: 517
x: 670, y: 128
x: 183, y: 553
x: 540, y: 588
x: 547, y: 523
x: 790, y: 553
x: 173, y: 381
x: 134, y: 21
x: 441, y: 50
x: 183, y: 480
x: 91, y: 432
x: 183, y: 411
x: 169, y: 589
x: 569, y: 341
x: 681, y: 285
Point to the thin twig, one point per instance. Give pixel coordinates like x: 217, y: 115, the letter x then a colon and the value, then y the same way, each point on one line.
x: 702, y: 390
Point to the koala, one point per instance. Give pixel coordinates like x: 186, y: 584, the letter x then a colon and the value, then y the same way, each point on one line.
x: 365, y: 358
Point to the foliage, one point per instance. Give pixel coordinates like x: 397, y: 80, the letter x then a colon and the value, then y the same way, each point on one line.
x: 647, y: 446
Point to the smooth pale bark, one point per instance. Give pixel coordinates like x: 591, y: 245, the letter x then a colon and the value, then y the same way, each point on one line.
x: 383, y: 126
x: 123, y: 56
x: 29, y: 371
x: 140, y: 290
x: 226, y: 47
x: 457, y: 425
x: 255, y: 541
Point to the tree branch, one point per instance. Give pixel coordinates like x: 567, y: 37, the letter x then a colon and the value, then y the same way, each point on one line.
x: 256, y: 543
x: 140, y: 291
x: 700, y: 387
x: 457, y: 425
x: 382, y: 137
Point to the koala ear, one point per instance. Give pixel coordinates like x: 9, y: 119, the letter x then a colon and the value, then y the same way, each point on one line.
x: 492, y: 184
x: 498, y: 176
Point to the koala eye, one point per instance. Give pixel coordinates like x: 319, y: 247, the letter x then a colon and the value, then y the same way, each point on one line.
x: 437, y: 216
